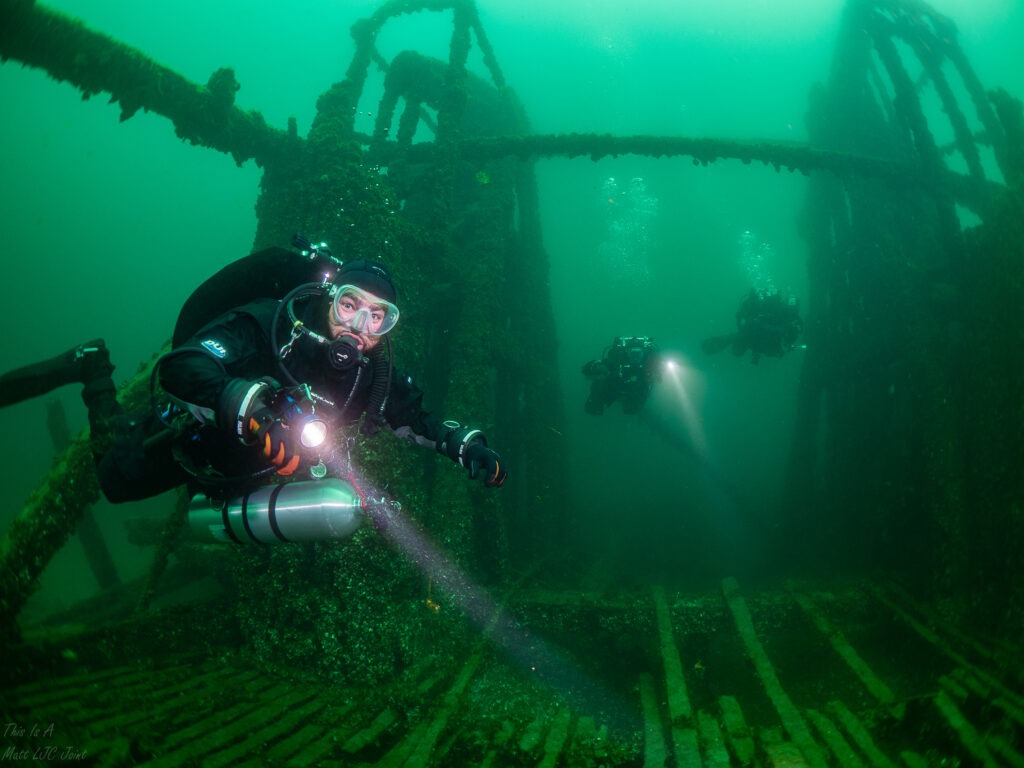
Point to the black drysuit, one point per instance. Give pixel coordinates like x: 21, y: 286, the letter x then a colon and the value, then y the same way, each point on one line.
x: 238, y: 345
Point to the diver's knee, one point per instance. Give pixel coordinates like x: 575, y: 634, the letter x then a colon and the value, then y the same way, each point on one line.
x: 112, y: 481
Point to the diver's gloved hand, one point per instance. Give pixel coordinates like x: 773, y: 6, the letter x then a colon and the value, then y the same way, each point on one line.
x: 278, y: 441
x: 246, y: 411
x: 239, y: 400
x: 478, y: 456
x: 468, y: 447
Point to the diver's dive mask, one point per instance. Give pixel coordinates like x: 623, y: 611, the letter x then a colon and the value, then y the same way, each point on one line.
x: 361, y: 312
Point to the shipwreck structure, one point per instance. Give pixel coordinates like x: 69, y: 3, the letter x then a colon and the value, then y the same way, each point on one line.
x: 385, y: 651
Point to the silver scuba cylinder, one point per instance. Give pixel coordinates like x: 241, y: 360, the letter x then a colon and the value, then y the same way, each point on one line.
x: 308, y: 510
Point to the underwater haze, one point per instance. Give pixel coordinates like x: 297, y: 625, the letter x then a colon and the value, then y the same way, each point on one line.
x: 108, y: 226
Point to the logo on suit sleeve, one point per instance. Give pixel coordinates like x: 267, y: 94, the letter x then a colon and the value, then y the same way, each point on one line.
x: 215, y: 348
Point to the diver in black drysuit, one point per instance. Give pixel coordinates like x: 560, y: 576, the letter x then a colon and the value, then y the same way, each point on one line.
x: 766, y: 324
x: 626, y: 372
x: 229, y: 387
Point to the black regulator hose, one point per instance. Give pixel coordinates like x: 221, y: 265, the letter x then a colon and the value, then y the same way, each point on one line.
x: 299, y: 292
x: 382, y: 366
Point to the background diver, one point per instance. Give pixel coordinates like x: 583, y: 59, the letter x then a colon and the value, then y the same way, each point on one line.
x: 626, y: 372
x: 247, y: 394
x: 766, y: 324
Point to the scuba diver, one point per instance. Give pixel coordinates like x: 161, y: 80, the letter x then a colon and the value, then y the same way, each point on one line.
x: 766, y: 324
x: 251, y: 397
x: 628, y: 370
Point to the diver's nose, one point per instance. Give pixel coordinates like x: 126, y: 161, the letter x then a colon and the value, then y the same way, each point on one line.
x: 359, y: 320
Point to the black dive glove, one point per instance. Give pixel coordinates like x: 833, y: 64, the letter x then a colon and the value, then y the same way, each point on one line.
x: 257, y: 413
x: 276, y: 440
x: 239, y: 400
x: 468, y: 447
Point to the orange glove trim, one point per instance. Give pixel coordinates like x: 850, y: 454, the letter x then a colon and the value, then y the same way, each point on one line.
x: 290, y: 467
x: 279, y: 458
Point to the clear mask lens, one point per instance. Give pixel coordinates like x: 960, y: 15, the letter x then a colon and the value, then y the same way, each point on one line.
x: 362, y: 312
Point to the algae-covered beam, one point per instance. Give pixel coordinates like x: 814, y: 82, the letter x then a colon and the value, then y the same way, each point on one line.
x: 703, y: 151
x: 970, y: 738
x: 684, y: 736
x: 932, y: 636
x: 784, y: 707
x: 874, y: 684
x: 69, y: 51
x: 675, y: 684
x: 973, y: 193
x: 911, y: 113
x: 859, y: 734
x: 923, y: 41
x: 655, y: 749
x: 789, y: 155
x: 169, y: 539
x: 97, y: 554
x: 737, y: 732
x: 50, y: 517
x: 843, y: 754
x: 1011, y: 116
x: 447, y: 708
x: 44, y: 525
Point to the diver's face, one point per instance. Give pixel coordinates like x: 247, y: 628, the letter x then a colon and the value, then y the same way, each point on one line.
x: 353, y: 315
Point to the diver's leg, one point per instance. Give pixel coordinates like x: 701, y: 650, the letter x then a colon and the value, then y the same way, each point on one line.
x: 596, y: 401
x: 88, y: 364
x: 84, y: 362
x: 133, y: 457
x: 133, y: 452
x: 140, y: 462
x: 106, y: 415
x: 716, y: 344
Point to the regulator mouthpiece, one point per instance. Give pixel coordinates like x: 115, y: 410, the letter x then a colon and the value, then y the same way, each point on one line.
x: 343, y: 353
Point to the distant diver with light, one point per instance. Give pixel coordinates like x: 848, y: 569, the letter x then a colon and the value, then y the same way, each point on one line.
x: 626, y: 372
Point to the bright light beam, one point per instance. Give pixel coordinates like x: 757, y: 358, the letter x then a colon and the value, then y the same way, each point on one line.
x: 531, y: 652
x: 686, y: 385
